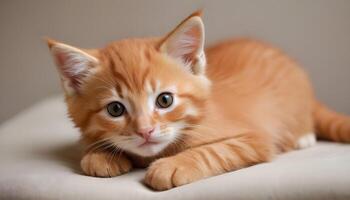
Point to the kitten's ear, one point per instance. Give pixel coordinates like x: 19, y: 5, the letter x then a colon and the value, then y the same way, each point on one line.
x: 186, y: 44
x: 74, y: 65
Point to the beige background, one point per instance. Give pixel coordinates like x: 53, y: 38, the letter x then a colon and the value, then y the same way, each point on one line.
x: 316, y: 33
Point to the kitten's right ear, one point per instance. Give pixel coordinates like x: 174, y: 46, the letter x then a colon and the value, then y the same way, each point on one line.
x: 73, y: 64
x: 186, y: 44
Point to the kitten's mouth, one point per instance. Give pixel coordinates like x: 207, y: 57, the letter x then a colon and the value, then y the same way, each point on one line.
x: 148, y: 143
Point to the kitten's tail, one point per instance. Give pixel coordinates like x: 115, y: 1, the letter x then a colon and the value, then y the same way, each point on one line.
x: 331, y: 125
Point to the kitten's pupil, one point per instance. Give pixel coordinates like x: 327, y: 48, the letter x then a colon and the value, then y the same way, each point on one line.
x: 164, y: 100
x: 115, y: 109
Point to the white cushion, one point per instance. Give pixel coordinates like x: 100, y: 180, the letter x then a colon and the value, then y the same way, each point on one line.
x: 39, y: 159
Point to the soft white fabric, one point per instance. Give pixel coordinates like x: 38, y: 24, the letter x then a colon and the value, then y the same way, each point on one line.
x: 39, y: 159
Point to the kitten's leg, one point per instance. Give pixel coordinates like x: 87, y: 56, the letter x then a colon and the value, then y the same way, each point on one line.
x: 208, y: 160
x: 105, y: 164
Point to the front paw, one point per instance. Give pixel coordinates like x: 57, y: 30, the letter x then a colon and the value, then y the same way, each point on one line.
x: 102, y: 164
x: 167, y: 173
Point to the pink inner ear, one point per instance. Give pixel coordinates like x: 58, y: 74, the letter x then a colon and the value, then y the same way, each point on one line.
x: 193, y: 33
x: 67, y: 67
x: 186, y: 44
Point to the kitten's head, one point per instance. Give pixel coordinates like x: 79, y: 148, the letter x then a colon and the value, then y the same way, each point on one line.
x: 137, y: 94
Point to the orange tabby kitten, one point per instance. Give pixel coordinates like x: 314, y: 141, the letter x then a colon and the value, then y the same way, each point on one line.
x: 189, y: 114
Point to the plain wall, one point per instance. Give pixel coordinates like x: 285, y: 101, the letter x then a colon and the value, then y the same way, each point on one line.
x: 315, y: 33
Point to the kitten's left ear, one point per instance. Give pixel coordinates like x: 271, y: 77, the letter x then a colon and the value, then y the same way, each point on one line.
x: 186, y: 44
x: 74, y: 65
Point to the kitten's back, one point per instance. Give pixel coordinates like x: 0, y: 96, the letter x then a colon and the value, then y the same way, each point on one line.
x: 261, y: 85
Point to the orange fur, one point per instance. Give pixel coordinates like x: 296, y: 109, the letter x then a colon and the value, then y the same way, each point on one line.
x: 251, y: 103
x: 331, y: 125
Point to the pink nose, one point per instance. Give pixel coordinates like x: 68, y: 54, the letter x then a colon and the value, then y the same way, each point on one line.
x: 145, y: 132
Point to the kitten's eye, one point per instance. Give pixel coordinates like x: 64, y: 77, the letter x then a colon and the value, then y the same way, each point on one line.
x: 164, y: 100
x: 115, y: 109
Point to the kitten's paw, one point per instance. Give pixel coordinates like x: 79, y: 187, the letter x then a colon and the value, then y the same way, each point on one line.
x: 306, y: 141
x: 102, y: 164
x: 167, y: 173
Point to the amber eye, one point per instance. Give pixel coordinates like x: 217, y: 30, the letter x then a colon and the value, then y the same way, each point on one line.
x: 115, y: 109
x: 164, y: 100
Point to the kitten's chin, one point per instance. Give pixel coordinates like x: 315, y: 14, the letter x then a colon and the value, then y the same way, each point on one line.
x: 149, y: 149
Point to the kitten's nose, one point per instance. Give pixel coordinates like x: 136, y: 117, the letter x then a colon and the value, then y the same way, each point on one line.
x: 145, y: 132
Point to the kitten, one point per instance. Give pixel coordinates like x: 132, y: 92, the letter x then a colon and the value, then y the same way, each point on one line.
x: 190, y: 114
